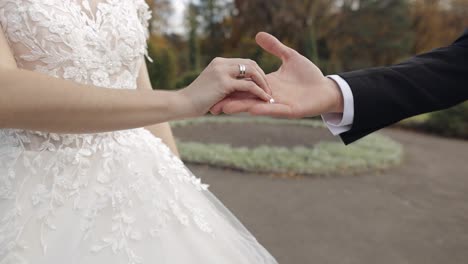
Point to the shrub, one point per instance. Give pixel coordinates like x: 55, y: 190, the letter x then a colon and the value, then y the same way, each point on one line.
x: 452, y: 122
x: 163, y: 70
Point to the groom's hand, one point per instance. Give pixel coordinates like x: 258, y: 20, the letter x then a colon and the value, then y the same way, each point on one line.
x: 298, y: 87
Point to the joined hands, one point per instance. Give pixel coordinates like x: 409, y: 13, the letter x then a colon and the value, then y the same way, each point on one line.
x: 299, y: 88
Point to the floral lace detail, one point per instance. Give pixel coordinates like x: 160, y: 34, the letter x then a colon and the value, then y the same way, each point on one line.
x: 103, y: 47
x: 111, y: 189
x: 67, y: 39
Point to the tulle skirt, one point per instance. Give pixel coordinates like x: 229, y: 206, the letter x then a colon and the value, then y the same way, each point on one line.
x: 119, y: 197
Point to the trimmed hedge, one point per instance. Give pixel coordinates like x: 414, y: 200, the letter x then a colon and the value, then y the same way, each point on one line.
x: 375, y: 152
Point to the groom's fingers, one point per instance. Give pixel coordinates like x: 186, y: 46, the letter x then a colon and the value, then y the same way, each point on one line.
x: 250, y: 87
x: 273, y: 110
x: 218, y: 108
x: 274, y: 46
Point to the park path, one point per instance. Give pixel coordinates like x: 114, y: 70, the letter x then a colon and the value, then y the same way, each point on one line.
x: 417, y: 213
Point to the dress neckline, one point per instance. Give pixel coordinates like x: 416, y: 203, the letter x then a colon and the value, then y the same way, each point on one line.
x: 88, y: 10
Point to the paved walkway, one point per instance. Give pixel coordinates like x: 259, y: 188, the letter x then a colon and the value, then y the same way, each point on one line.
x: 417, y: 213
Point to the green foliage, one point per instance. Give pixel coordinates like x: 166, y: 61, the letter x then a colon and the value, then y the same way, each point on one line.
x: 163, y: 69
x: 374, y: 34
x: 187, y: 79
x: 269, y: 63
x: 193, y: 41
x: 162, y: 11
x: 336, y: 35
x: 372, y: 153
x: 452, y: 122
x: 213, y: 13
x: 311, y: 46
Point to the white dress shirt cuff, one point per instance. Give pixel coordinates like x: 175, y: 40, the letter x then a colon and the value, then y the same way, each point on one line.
x: 340, y: 123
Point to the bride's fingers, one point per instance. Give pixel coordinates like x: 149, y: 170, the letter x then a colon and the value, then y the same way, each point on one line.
x: 273, y: 110
x: 218, y: 108
x: 263, y: 77
x: 235, y: 106
x: 263, y: 74
x: 250, y: 87
x: 237, y: 96
x: 239, y: 102
x: 253, y: 71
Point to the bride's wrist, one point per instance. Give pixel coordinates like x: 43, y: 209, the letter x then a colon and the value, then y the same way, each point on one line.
x: 184, y: 105
x: 169, y: 105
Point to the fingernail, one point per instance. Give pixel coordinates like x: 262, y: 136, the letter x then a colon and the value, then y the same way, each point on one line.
x: 272, y: 101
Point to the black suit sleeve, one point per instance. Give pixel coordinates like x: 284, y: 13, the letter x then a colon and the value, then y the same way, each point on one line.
x: 425, y: 83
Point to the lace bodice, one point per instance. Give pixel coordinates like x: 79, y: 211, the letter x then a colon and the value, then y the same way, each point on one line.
x: 119, y: 197
x: 99, y: 42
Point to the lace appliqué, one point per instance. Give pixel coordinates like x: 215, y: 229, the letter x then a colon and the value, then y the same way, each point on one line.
x: 67, y: 177
x: 102, y: 47
x: 67, y: 39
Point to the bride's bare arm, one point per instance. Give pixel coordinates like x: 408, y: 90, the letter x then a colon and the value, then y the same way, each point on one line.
x: 163, y: 130
x: 30, y: 100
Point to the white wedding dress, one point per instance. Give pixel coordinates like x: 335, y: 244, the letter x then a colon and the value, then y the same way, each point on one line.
x: 107, y: 198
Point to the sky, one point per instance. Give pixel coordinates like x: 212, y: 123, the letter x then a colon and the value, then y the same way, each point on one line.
x: 176, y: 23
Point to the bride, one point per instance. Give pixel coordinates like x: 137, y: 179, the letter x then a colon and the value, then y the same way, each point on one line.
x: 81, y: 179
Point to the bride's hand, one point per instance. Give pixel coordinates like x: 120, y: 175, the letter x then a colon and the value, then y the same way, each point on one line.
x: 219, y: 80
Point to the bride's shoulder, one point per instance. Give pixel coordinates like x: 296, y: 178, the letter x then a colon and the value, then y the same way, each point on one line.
x: 8, y: 11
x: 16, y: 3
x: 23, y: 5
x: 143, y: 9
x: 142, y: 6
x: 144, y: 12
x: 9, y: 3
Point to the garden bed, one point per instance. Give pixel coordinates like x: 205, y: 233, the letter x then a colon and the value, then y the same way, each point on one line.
x: 296, y: 147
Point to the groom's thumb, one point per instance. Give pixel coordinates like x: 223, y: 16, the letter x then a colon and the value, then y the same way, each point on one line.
x: 274, y: 46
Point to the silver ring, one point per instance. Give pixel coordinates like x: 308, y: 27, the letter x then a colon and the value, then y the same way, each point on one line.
x: 242, y: 71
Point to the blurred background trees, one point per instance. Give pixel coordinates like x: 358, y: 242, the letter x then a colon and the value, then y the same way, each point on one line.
x: 338, y: 35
